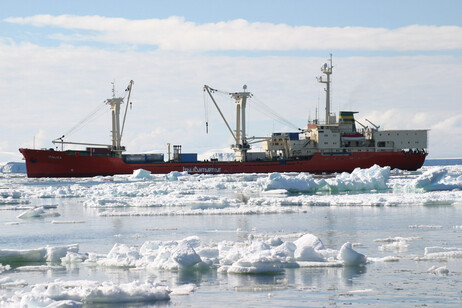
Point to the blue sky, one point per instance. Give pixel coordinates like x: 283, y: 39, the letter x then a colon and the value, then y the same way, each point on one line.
x: 396, y: 62
x: 390, y: 13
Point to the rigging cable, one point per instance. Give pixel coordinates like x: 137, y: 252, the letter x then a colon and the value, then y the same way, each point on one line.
x: 206, y: 113
x: 265, y: 109
x: 92, y: 115
x: 262, y: 108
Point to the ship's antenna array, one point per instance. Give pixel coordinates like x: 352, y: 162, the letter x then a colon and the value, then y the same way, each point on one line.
x: 327, y: 70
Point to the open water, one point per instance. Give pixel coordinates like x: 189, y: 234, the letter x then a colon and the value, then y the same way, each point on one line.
x: 258, y: 240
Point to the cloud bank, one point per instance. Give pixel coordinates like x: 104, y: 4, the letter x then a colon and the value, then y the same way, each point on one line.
x: 175, y: 33
x: 51, y: 88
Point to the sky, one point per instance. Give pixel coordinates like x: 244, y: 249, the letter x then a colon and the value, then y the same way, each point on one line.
x: 398, y: 63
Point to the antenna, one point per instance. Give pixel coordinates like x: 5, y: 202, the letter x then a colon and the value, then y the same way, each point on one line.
x: 113, y: 89
x: 327, y: 69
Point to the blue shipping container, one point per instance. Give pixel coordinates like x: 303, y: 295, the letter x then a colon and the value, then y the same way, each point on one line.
x: 188, y: 157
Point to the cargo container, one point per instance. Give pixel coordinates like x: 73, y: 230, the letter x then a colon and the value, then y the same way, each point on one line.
x: 99, y: 151
x: 256, y: 156
x: 292, y: 136
x: 143, y: 158
x: 188, y: 157
x: 154, y: 157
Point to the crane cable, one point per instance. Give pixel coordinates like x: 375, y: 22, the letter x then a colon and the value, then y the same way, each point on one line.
x: 206, y: 113
x: 92, y: 115
x: 259, y: 106
x: 269, y: 112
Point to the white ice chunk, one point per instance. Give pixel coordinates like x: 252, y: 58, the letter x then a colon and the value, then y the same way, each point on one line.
x: 8, y: 282
x: 120, y: 255
x: 45, y: 254
x: 397, y: 245
x: 435, y: 179
x: 185, y: 255
x: 185, y: 289
x: 37, y: 212
x: 351, y: 257
x: 55, y: 253
x: 374, y: 178
x: 141, y: 174
x: 277, y: 181
x: 92, y: 292
x: 309, y: 240
x: 442, y: 252
x: 443, y: 270
x: 174, y: 175
x: 13, y: 167
x: 4, y: 268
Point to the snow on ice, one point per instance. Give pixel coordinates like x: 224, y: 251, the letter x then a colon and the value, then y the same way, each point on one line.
x: 179, y: 193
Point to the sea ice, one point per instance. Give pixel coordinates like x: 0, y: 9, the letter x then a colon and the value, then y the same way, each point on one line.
x: 374, y: 178
x: 4, y: 268
x: 13, y: 167
x: 436, y: 252
x: 8, y: 282
x: 443, y: 270
x: 41, y: 255
x: 37, y: 212
x: 308, y: 247
x: 435, y: 179
x: 91, y: 292
x: 350, y: 257
x: 141, y: 174
x: 120, y: 255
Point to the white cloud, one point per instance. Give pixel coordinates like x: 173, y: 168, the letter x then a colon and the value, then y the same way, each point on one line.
x: 174, y: 33
x: 47, y: 90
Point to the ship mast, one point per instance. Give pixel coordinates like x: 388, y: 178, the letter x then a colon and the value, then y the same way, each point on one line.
x: 115, y: 103
x: 241, y: 147
x: 327, y: 69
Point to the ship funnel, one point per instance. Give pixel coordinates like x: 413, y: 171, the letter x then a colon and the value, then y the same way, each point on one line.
x: 348, y: 118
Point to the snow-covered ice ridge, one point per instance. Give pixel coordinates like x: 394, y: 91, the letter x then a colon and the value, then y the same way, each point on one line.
x: 185, y: 194
x: 13, y: 167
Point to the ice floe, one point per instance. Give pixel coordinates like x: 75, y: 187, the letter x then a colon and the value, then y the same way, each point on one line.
x: 180, y: 193
x: 38, y: 212
x: 435, y: 179
x: 13, y: 167
x: 254, y: 256
x: 442, y: 270
x: 141, y: 174
x: 38, y: 255
x: 76, y: 293
x: 374, y: 178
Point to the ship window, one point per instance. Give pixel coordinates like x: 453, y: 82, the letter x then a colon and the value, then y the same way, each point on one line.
x: 321, y: 131
x: 381, y: 144
x: 325, y: 142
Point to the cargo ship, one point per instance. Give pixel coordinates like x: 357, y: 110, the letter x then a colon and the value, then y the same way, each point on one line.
x: 329, y: 146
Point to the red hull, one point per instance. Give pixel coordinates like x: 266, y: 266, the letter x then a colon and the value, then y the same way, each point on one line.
x: 49, y: 163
